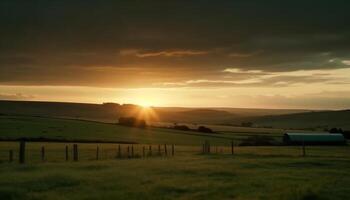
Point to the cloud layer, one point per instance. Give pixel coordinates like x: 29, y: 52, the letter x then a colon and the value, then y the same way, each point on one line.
x: 54, y: 42
x: 175, y: 44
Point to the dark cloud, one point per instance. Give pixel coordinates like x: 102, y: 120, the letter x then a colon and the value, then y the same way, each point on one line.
x: 98, y: 42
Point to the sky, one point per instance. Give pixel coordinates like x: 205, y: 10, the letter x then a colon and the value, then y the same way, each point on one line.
x: 233, y: 53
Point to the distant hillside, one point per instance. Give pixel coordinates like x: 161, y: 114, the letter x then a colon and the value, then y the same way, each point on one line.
x: 261, y: 112
x: 233, y: 116
x: 321, y: 120
x: 198, y: 116
x: 99, y: 112
x: 110, y: 112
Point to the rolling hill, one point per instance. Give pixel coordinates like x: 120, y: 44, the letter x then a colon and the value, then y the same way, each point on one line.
x: 311, y: 120
x: 110, y: 112
x: 198, y: 116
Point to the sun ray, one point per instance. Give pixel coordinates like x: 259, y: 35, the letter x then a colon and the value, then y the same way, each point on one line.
x: 147, y: 113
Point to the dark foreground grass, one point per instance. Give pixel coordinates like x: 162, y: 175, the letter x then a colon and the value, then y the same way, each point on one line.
x: 252, y: 174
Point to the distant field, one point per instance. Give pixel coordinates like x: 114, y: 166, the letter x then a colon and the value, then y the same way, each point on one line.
x: 310, y: 120
x: 237, y: 132
x: 22, y: 126
x: 226, y: 128
x: 47, y: 127
x: 272, y: 173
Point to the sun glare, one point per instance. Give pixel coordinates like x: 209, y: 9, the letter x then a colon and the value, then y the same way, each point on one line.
x: 147, y: 113
x: 145, y: 104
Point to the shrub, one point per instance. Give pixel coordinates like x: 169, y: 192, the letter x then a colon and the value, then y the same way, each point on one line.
x: 247, y: 124
x: 132, y: 121
x: 182, y: 127
x: 336, y: 130
x: 204, y: 129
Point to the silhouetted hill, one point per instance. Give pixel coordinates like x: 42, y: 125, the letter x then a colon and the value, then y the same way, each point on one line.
x: 100, y: 112
x: 261, y: 111
x: 197, y: 116
x: 110, y: 112
x: 320, y: 119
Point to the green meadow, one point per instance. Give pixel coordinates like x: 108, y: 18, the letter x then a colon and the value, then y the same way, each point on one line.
x: 252, y: 173
x: 26, y: 126
x: 278, y: 172
x: 22, y: 126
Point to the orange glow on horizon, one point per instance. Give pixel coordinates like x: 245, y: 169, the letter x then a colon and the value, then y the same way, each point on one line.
x: 147, y: 114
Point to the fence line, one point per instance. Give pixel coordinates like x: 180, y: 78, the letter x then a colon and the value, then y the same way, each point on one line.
x: 122, y: 151
x: 75, y: 153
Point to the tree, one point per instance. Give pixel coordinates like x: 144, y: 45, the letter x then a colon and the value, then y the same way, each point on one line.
x: 247, y: 124
x: 204, y: 129
x: 336, y: 130
x: 182, y: 127
x: 132, y: 121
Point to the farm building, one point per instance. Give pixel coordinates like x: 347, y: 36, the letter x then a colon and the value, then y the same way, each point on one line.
x: 314, y: 139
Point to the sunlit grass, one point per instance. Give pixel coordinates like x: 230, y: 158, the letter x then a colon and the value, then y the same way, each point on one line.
x: 255, y: 173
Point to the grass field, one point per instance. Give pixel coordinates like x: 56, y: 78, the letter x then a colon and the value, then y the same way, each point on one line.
x: 278, y: 172
x: 25, y: 126
x: 22, y: 126
x: 253, y: 173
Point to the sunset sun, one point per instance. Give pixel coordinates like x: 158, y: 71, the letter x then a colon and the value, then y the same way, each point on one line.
x: 145, y: 104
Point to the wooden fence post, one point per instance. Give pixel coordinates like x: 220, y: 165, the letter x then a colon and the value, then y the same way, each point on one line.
x: 165, y: 150
x: 232, y: 148
x: 11, y: 156
x: 43, y: 153
x: 132, y: 151
x: 143, y: 152
x: 67, y: 153
x: 208, y: 147
x: 159, y: 152
x: 97, y: 152
x: 172, y: 149
x: 128, y: 151
x: 205, y: 147
x: 150, y: 150
x: 75, y: 152
x: 119, y: 154
x: 22, y: 151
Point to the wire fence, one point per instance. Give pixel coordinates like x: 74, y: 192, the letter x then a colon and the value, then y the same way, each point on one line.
x: 34, y: 152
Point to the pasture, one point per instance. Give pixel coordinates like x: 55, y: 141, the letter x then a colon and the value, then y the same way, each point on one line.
x: 252, y: 173
x: 46, y: 127
x: 23, y: 126
x: 278, y: 172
